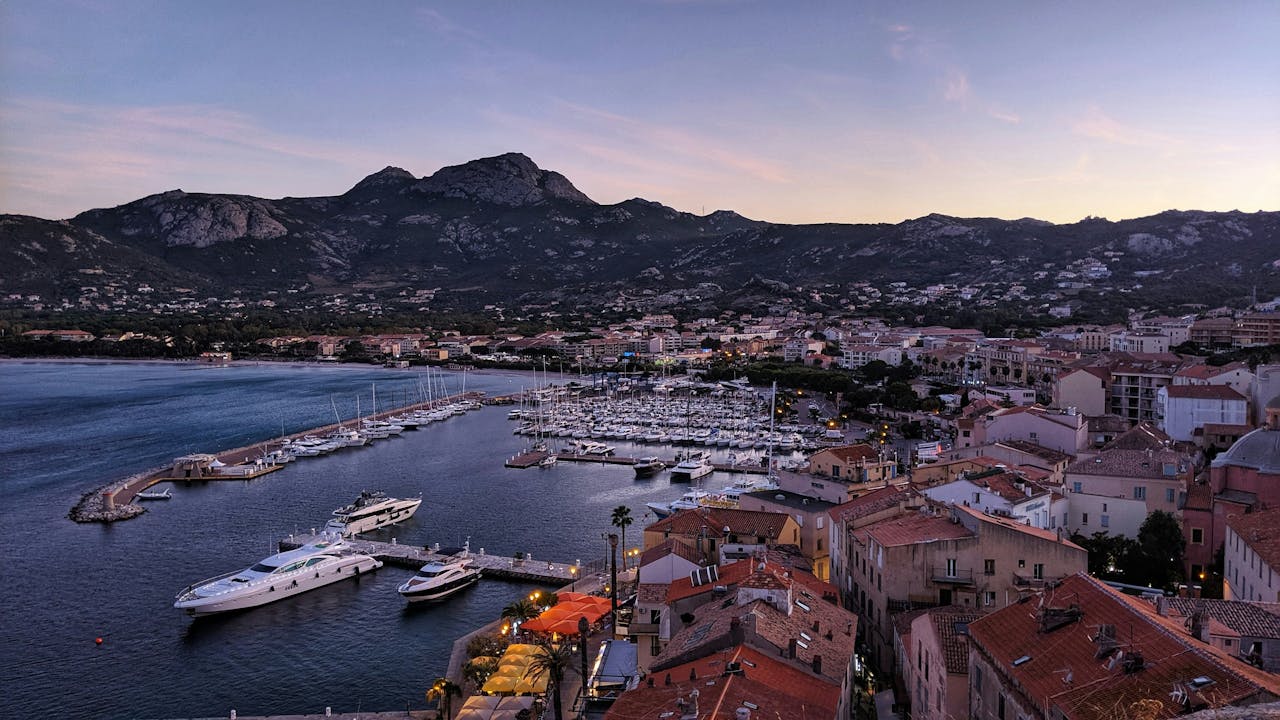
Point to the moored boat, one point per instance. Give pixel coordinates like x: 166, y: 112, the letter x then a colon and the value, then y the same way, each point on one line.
x: 370, y: 511
x: 648, y: 466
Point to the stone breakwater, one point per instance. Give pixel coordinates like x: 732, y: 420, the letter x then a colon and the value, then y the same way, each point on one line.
x: 93, y: 506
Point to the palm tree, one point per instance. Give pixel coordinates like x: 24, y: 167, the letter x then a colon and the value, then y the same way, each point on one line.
x: 444, y: 690
x: 621, y: 518
x: 520, y: 610
x: 551, y: 660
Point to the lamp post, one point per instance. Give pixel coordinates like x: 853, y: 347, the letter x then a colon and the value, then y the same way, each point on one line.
x: 583, y: 628
x: 573, y: 574
x: 613, y: 578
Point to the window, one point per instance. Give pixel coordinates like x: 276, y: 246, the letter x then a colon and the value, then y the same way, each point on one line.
x: 1105, y: 520
x: 1077, y: 486
x: 965, y: 433
x: 1140, y: 492
x: 1084, y: 518
x: 989, y: 597
x: 1037, y: 571
x: 835, y: 471
x: 1000, y: 707
x: 1197, y: 536
x: 977, y: 679
x: 655, y: 645
x: 1104, y: 507
x: 1022, y: 564
x: 1168, y: 495
x: 977, y: 498
x: 1034, y: 436
x: 951, y: 567
x: 818, y: 522
x: 989, y: 567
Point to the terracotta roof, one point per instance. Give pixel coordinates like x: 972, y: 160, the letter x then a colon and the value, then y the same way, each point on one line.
x: 775, y: 687
x: 1004, y: 484
x: 1252, y: 619
x: 1203, y: 392
x: 873, y: 502
x: 916, y: 528
x: 729, y: 575
x: 766, y: 626
x: 670, y: 546
x: 1226, y: 429
x: 1199, y: 497
x: 1260, y: 530
x: 851, y: 453
x: 651, y: 593
x: 1205, y: 372
x: 1133, y: 464
x: 1142, y: 436
x: 1026, y: 446
x: 1010, y: 523
x: 1170, y: 658
x: 950, y: 624
x: 715, y: 520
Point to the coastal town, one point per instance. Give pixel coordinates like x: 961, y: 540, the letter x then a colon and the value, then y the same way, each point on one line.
x: 1078, y: 524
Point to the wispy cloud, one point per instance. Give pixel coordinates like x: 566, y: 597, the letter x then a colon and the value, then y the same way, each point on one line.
x: 58, y: 155
x: 1099, y: 125
x: 1002, y: 116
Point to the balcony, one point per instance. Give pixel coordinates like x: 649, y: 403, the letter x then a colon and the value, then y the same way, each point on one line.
x: 1029, y: 580
x: 955, y: 577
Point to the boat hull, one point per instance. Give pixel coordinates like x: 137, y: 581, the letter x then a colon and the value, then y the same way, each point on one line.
x: 439, y: 592
x: 263, y: 593
x: 392, y: 514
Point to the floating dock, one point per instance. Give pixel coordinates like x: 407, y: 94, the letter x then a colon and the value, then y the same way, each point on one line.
x: 530, y: 459
x: 413, y: 557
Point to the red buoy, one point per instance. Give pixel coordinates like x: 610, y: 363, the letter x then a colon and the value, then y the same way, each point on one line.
x: 98, y: 641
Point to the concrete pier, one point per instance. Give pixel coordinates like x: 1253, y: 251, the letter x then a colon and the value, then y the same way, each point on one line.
x: 413, y: 557
x: 114, y: 501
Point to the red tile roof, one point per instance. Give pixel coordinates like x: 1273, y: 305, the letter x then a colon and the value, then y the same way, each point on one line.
x: 851, y: 453
x: 947, y: 624
x: 1064, y: 671
x: 1010, y: 523
x: 1204, y: 392
x: 729, y: 574
x: 1260, y: 530
x: 777, y: 689
x: 916, y: 528
x: 715, y: 520
x: 873, y: 502
x: 670, y: 546
x: 1205, y: 372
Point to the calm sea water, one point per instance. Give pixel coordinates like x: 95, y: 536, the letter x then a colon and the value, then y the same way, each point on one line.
x: 66, y: 428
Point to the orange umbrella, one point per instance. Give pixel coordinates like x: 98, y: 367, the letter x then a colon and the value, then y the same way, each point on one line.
x: 568, y: 626
x: 538, y: 624
x: 571, y: 596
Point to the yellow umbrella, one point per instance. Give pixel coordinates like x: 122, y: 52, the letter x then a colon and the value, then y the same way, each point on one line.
x: 521, y: 649
x: 513, y: 670
x: 532, y: 685
x: 481, y: 659
x: 500, y: 684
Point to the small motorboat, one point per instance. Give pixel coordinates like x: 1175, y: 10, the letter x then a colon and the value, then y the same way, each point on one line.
x: 164, y: 494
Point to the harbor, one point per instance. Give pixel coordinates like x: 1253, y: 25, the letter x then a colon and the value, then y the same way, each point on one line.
x: 115, y: 501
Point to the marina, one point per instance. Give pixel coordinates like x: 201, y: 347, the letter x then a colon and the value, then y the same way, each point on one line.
x: 137, y: 417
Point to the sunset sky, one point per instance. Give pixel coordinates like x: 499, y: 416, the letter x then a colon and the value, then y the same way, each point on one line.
x: 783, y: 111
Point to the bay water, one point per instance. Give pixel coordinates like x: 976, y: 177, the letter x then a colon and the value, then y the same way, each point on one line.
x: 69, y: 427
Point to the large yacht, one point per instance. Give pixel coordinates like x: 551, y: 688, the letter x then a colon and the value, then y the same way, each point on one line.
x: 687, y: 501
x: 692, y: 467
x: 437, y: 580
x: 277, y: 577
x: 371, y: 511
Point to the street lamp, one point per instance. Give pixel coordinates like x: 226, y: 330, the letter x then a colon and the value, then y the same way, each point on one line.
x: 583, y: 628
x: 613, y: 578
x: 573, y: 574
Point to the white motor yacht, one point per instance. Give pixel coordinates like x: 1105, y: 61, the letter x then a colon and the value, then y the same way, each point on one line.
x: 692, y: 467
x: 371, y: 511
x: 648, y: 466
x: 277, y: 577
x: 437, y: 580
x: 687, y: 501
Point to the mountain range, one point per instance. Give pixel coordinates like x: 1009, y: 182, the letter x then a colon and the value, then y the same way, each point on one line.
x: 502, y: 231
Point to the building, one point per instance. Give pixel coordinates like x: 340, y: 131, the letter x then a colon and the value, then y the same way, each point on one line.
x: 1251, y: 556
x: 947, y: 556
x: 1000, y: 491
x: 1249, y: 631
x: 1115, y: 490
x: 866, y: 509
x: 1245, y: 477
x: 1063, y: 430
x: 861, y: 463
x: 1257, y: 329
x: 1134, y: 382
x: 770, y: 612
x: 810, y: 514
x: 1081, y: 650
x: 1139, y: 342
x: 1184, y: 409
x: 935, y: 663
x: 1083, y: 388
x: 709, y: 530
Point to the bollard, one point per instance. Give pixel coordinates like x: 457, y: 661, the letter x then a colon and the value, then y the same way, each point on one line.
x: 393, y: 541
x: 233, y: 714
x: 328, y: 711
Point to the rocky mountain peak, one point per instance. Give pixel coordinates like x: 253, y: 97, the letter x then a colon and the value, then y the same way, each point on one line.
x: 511, y: 179
x: 388, y: 177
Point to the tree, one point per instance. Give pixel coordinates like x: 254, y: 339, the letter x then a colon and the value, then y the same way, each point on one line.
x: 552, y: 660
x: 620, y: 519
x: 1161, y: 548
x: 444, y: 690
x: 520, y: 610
